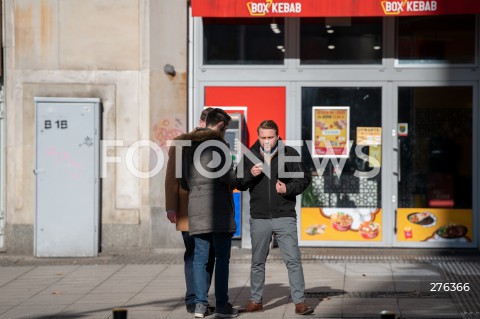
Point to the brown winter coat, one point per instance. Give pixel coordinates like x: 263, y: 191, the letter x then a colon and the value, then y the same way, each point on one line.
x: 176, y: 198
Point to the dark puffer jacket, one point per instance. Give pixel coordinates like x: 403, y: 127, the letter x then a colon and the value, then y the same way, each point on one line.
x: 210, y: 206
x: 265, y: 202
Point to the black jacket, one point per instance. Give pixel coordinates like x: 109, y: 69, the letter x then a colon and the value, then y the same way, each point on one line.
x: 265, y: 202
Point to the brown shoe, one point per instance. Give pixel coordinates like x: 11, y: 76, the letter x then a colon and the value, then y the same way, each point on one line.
x: 303, y: 309
x: 252, y: 306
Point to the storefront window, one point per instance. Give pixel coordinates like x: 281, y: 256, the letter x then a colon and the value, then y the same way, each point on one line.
x: 243, y: 41
x: 343, y: 202
x: 436, y: 39
x: 347, y: 190
x: 436, y: 147
x: 341, y: 41
x: 434, y: 168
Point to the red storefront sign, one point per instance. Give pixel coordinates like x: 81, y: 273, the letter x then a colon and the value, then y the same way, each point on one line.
x: 330, y: 8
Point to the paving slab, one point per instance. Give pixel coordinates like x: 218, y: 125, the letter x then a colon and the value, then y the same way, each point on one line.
x: 349, y: 284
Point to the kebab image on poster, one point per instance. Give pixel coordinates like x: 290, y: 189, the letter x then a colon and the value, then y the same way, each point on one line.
x: 330, y: 131
x: 435, y: 225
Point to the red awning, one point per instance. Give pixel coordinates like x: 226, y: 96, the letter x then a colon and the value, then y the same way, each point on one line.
x: 330, y: 8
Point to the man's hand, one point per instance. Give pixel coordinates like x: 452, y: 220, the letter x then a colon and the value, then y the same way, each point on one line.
x: 256, y: 169
x: 172, y: 217
x: 281, y: 187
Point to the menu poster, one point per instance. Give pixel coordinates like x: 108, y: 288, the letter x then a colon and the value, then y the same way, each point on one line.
x: 435, y: 225
x: 369, y: 135
x: 330, y: 131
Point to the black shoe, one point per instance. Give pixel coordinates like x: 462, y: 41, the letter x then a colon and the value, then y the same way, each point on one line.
x: 190, y: 308
x: 226, y: 311
x: 211, y: 309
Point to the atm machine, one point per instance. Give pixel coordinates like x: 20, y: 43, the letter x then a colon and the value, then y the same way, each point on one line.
x: 235, y: 135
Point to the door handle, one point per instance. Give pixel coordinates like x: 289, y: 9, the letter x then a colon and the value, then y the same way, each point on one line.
x: 399, y: 161
x: 39, y: 171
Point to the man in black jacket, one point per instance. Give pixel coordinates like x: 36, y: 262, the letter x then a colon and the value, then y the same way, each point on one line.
x: 274, y: 179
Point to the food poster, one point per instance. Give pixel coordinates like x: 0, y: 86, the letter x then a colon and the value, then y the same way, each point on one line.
x: 341, y: 224
x: 330, y: 131
x: 434, y: 225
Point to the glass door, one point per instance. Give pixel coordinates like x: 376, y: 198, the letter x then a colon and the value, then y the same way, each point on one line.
x: 342, y: 130
x: 434, y: 166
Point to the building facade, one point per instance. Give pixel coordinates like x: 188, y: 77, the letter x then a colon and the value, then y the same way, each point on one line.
x: 115, y: 51
x: 381, y: 99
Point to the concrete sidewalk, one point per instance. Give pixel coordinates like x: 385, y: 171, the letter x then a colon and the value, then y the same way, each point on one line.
x: 338, y: 286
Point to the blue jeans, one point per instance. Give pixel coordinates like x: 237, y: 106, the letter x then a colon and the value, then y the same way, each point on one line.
x: 222, y: 242
x: 188, y: 267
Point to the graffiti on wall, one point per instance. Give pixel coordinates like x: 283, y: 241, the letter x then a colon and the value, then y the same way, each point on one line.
x: 167, y: 129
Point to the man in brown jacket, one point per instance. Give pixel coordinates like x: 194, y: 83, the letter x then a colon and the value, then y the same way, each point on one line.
x: 177, y: 212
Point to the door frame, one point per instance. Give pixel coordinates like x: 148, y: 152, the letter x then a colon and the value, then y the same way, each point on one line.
x: 95, y: 222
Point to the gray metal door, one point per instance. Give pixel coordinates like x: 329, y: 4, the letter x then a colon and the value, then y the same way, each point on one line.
x: 67, y: 177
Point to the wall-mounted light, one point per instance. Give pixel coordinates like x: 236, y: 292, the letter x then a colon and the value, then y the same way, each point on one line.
x: 169, y: 70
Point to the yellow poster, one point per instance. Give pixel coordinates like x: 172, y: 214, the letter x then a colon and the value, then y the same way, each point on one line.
x: 375, y: 156
x: 330, y: 131
x: 369, y: 135
x: 341, y: 224
x: 434, y: 225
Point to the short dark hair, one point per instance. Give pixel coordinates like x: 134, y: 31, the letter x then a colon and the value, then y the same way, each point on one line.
x: 216, y: 116
x: 268, y: 125
x: 203, y: 115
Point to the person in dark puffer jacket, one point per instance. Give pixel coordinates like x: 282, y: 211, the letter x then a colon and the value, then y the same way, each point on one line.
x: 176, y: 205
x: 207, y: 173
x: 274, y: 179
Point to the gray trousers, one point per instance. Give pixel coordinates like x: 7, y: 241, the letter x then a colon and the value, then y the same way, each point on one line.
x: 261, y: 231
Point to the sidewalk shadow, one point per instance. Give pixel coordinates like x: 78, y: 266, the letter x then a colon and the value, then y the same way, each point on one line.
x: 173, y: 302
x: 279, y: 295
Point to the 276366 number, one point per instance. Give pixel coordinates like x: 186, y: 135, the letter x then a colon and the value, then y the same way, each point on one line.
x: 449, y: 286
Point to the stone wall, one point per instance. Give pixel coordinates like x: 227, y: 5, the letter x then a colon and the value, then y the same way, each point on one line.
x: 114, y: 50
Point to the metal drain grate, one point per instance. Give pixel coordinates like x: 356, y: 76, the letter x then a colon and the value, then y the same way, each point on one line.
x: 308, y: 257
x: 468, y: 303
x: 377, y: 294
